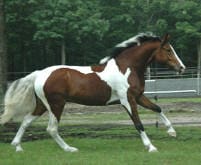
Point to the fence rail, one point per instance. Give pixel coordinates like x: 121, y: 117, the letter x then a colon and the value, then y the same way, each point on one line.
x: 153, y: 73
x: 159, y: 73
x: 183, y: 87
x: 162, y: 82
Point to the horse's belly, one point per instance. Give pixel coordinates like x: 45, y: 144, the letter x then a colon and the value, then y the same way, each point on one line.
x: 90, y: 95
x: 88, y: 90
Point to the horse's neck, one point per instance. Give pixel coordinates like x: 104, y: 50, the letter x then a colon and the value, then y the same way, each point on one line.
x: 137, y: 59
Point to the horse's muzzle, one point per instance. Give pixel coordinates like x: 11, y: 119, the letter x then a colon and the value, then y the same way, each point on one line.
x: 181, y: 69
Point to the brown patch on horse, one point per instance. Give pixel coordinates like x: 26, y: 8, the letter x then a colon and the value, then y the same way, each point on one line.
x: 71, y: 85
x: 40, y: 108
x: 98, y: 68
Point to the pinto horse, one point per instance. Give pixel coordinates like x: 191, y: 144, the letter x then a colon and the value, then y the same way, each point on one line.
x: 120, y: 78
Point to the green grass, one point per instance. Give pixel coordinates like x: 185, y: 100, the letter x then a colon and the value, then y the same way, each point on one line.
x: 187, y: 99
x: 103, y: 143
x: 111, y: 150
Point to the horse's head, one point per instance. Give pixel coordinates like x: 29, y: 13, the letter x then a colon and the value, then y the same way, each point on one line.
x: 166, y: 54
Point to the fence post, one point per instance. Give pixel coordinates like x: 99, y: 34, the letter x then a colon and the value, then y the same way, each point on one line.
x: 199, y: 67
x: 148, y: 73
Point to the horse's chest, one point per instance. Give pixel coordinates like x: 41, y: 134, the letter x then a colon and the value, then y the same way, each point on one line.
x: 118, y: 83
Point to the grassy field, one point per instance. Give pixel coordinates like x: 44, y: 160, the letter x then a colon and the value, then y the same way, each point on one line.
x: 112, y: 146
x: 104, y: 139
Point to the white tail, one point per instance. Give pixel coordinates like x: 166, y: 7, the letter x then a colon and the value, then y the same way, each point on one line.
x: 19, y: 98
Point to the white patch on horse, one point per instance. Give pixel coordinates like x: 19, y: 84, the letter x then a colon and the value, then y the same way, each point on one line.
x: 147, y: 142
x: 177, y: 57
x: 130, y: 40
x: 117, y: 81
x: 123, y: 93
x: 171, y: 131
x: 82, y: 69
x: 134, y: 39
x: 28, y: 119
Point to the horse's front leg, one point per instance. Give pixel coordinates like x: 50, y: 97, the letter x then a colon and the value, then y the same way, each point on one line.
x: 146, y: 103
x: 130, y: 104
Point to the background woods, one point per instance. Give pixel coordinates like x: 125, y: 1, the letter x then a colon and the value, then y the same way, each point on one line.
x: 41, y: 33
x: 3, y: 60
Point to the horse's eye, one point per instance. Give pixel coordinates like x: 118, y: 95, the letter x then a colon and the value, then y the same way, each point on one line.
x: 169, y: 51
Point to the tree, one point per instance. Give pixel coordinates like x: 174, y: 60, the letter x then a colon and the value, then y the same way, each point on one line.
x: 70, y: 21
x: 188, y: 28
x: 21, y: 50
x: 40, y: 32
x: 3, y: 66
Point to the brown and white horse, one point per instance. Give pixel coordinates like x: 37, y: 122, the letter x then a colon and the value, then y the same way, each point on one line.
x: 120, y: 78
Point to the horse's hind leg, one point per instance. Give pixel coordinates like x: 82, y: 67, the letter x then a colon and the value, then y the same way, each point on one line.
x: 26, y: 122
x: 53, y: 131
x: 28, y: 119
x: 145, y: 102
x: 56, y: 107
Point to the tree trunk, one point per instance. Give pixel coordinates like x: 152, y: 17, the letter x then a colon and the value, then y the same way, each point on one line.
x: 63, y: 53
x: 3, y: 57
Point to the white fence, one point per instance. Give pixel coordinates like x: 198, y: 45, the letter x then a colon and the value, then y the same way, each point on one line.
x: 183, y: 87
x: 163, y: 83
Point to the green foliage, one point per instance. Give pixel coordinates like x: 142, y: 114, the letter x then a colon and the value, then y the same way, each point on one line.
x: 57, y: 19
x: 91, y: 28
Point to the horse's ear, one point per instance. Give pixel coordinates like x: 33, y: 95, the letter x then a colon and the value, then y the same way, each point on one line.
x: 165, y: 39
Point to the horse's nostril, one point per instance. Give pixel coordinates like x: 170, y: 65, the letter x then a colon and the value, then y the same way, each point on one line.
x: 182, y: 69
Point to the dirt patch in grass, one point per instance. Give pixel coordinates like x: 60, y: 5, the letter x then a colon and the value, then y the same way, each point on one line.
x: 180, y: 113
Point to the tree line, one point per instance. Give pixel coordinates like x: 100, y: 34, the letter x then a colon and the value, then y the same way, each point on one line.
x: 42, y: 33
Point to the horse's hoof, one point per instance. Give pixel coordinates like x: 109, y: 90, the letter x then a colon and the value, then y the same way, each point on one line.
x: 172, y: 132
x: 19, y: 148
x: 71, y: 149
x: 152, y: 149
